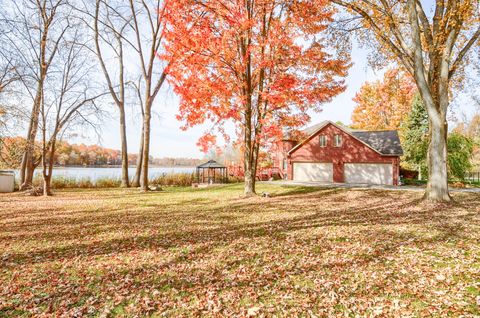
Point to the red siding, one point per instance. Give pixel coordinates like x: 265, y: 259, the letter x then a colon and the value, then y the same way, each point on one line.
x: 351, y: 151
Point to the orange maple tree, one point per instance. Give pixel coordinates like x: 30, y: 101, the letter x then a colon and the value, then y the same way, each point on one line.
x: 383, y: 105
x: 260, y: 64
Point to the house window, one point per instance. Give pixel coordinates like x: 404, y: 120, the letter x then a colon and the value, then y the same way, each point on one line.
x: 284, y: 164
x: 323, y: 141
x: 338, y: 140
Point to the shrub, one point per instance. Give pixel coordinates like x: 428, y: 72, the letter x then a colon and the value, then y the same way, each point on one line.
x: 171, y: 179
x: 174, y: 179
x: 70, y: 182
x: 235, y: 179
x: 107, y: 183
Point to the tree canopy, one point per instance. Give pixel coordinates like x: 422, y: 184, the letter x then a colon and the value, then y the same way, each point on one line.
x: 261, y: 64
x: 384, y: 104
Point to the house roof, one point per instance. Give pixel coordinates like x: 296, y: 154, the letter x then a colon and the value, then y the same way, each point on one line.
x: 210, y: 164
x: 386, y: 142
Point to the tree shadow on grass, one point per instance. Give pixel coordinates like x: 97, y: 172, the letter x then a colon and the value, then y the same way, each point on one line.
x: 250, y: 242
x: 220, y: 226
x: 295, y: 190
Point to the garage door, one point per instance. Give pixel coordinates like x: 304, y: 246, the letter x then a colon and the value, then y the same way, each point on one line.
x: 313, y: 172
x: 369, y: 173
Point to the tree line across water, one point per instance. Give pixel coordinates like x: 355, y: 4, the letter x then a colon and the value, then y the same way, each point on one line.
x: 262, y: 65
x: 11, y: 152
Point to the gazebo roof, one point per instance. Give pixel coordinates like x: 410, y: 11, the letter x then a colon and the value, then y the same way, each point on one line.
x: 211, y: 164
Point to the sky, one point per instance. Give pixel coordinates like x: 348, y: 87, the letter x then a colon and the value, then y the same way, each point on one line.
x: 168, y: 140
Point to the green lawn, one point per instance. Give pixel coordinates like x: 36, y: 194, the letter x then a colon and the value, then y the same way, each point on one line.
x: 182, y: 252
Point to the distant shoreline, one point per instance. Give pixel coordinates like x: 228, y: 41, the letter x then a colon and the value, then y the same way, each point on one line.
x: 119, y: 166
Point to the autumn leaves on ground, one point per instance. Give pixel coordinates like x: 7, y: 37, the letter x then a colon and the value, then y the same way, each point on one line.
x: 187, y: 252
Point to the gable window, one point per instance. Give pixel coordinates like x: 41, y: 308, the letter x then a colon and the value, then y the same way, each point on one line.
x: 338, y: 140
x: 323, y: 141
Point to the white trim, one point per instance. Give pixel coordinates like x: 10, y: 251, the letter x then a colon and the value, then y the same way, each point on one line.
x: 320, y: 141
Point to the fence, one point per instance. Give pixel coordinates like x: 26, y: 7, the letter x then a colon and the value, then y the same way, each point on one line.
x: 473, y: 176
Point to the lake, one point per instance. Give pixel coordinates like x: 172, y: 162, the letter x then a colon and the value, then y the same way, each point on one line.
x: 111, y: 173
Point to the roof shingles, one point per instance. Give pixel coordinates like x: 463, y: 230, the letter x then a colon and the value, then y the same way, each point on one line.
x: 385, y: 142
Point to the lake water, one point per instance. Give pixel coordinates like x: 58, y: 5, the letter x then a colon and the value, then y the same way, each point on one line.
x: 112, y: 173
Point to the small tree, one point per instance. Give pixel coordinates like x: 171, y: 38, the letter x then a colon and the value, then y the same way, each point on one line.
x: 415, y: 137
x: 69, y: 99
x: 460, y: 150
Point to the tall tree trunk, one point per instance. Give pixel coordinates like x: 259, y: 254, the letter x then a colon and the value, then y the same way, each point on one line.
x: 123, y: 136
x: 437, y: 186
x: 248, y: 161
x: 146, y: 145
x: 28, y: 167
x: 48, y: 169
x: 47, y: 181
x: 249, y: 189
x: 138, y: 170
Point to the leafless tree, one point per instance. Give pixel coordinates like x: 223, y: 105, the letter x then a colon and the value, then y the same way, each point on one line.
x: 8, y: 76
x: 110, y: 29
x: 148, y: 27
x: 69, y: 99
x: 35, y: 30
x: 138, y: 169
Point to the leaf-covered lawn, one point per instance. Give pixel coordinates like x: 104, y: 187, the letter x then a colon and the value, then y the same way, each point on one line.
x: 183, y: 252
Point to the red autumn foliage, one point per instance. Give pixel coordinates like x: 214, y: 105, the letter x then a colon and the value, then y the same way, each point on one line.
x: 262, y: 65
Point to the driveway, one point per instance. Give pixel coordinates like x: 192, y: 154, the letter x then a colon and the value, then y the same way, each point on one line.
x: 363, y: 186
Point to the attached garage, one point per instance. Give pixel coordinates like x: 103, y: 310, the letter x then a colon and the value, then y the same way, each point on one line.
x: 313, y: 172
x: 368, y: 173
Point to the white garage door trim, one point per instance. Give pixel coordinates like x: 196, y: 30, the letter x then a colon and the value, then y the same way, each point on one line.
x: 369, y: 173
x: 313, y: 172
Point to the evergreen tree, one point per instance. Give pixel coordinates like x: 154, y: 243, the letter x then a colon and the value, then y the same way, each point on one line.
x: 460, y: 151
x: 416, y: 140
x: 415, y: 137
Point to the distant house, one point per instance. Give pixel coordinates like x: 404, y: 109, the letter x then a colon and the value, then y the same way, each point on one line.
x: 328, y: 152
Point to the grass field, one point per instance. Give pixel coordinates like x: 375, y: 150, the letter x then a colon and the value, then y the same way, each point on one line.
x: 182, y: 252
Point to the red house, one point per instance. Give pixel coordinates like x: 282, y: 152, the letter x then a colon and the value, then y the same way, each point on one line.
x: 332, y: 153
